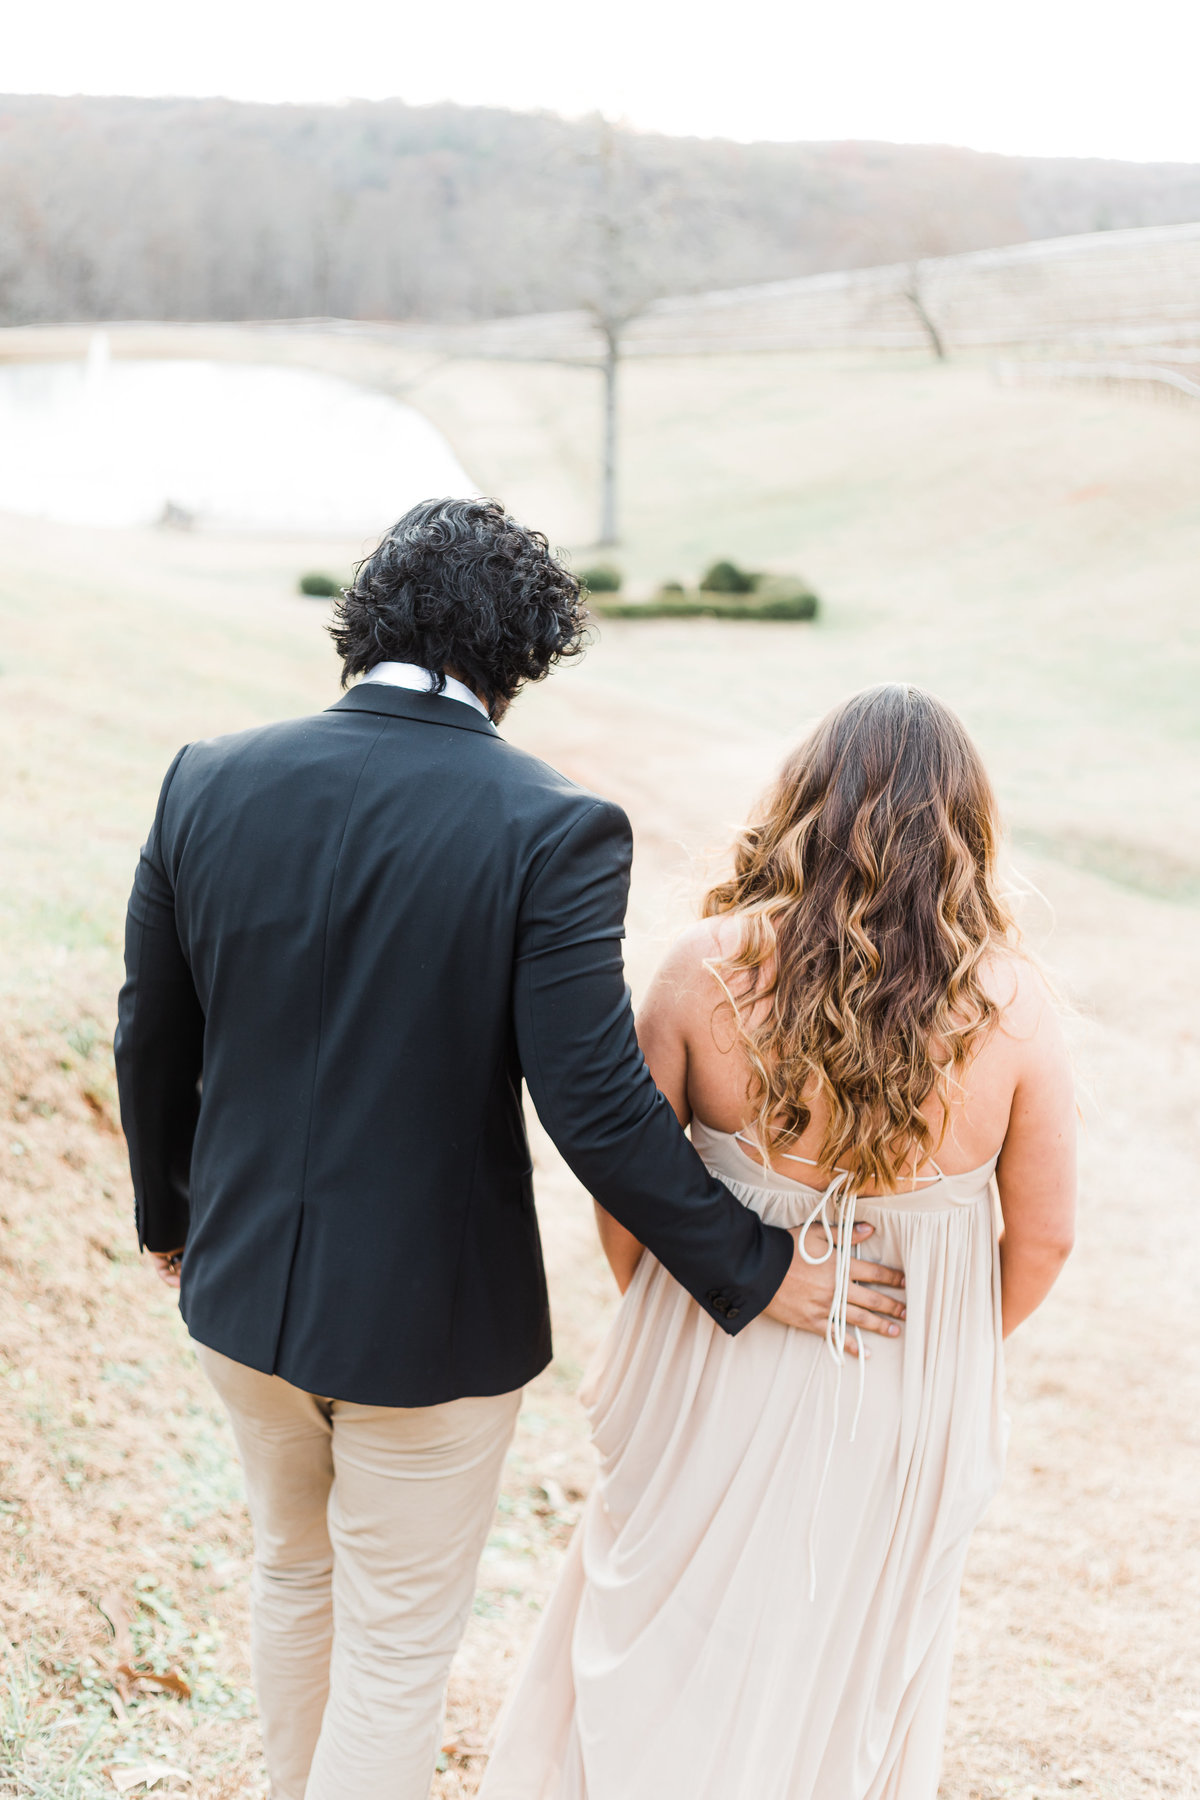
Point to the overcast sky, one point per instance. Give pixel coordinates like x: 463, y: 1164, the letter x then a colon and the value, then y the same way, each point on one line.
x: 1039, y: 77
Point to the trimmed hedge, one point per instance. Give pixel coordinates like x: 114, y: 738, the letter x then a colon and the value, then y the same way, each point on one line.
x: 776, y: 597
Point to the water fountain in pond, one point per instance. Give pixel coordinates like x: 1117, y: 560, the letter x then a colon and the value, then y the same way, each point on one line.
x: 98, y: 360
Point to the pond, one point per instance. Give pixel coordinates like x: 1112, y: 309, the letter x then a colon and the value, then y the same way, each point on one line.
x: 237, y: 445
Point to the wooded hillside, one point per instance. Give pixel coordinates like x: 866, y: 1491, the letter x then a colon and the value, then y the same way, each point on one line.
x: 207, y: 209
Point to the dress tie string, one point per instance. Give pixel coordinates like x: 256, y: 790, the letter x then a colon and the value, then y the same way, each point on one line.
x: 834, y: 1212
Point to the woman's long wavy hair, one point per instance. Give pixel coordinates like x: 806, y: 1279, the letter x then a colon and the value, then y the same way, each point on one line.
x: 867, y: 892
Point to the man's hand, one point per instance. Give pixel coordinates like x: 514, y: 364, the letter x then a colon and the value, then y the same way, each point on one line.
x: 167, y: 1264
x: 806, y: 1294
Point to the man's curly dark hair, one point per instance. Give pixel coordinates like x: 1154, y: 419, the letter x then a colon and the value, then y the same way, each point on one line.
x: 459, y: 587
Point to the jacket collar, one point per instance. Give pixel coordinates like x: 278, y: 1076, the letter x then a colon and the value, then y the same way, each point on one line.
x: 408, y: 703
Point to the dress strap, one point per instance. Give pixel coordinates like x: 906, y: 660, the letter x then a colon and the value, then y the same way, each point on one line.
x: 744, y: 1137
x: 938, y: 1175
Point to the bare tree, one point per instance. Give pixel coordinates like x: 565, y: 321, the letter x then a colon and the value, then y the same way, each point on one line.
x: 914, y: 230
x: 933, y: 213
x: 614, y: 304
x: 621, y: 270
x: 915, y: 292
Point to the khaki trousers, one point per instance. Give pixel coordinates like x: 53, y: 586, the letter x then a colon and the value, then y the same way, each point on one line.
x: 369, y: 1522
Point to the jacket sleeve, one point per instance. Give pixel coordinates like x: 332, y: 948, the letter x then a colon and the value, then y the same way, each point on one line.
x: 159, y: 1049
x: 595, y: 1095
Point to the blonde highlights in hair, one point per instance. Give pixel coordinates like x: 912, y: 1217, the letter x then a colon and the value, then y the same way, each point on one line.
x: 868, y: 902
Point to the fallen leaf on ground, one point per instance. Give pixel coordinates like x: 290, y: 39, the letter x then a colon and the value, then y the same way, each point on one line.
x: 464, y: 1744
x: 553, y: 1493
x: 116, y: 1610
x: 127, y: 1676
x: 130, y: 1676
x: 98, y: 1107
x: 127, y: 1776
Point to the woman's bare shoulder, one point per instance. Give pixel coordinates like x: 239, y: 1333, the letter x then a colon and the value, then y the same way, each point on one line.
x: 706, y: 942
x: 690, y: 982
x: 1028, y: 1007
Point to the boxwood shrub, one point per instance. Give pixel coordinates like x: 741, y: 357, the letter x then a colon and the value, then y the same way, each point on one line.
x: 726, y: 578
x: 604, y: 578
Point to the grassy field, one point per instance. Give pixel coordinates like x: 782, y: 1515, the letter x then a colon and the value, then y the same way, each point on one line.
x: 1033, y: 557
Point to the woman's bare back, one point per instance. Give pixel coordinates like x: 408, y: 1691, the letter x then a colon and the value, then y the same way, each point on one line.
x: 1016, y: 1095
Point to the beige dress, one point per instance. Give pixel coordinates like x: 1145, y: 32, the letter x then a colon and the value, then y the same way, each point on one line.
x: 759, y: 1601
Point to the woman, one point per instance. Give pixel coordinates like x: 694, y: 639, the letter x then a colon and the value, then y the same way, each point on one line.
x: 759, y: 1602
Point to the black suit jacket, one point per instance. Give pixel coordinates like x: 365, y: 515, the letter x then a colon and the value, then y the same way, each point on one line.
x: 349, y: 938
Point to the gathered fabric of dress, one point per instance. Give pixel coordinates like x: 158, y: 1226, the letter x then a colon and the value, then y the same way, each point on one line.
x: 759, y: 1601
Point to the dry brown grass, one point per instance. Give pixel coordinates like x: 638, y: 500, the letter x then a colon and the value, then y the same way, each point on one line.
x: 1064, y: 630
x: 119, y: 1483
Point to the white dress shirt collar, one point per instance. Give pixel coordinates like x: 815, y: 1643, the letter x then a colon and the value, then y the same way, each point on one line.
x: 412, y: 675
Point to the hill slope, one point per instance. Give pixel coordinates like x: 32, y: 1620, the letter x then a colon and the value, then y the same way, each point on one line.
x: 205, y: 209
x: 1032, y: 557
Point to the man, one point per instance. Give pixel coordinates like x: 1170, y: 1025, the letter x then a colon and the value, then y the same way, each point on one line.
x: 350, y: 938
